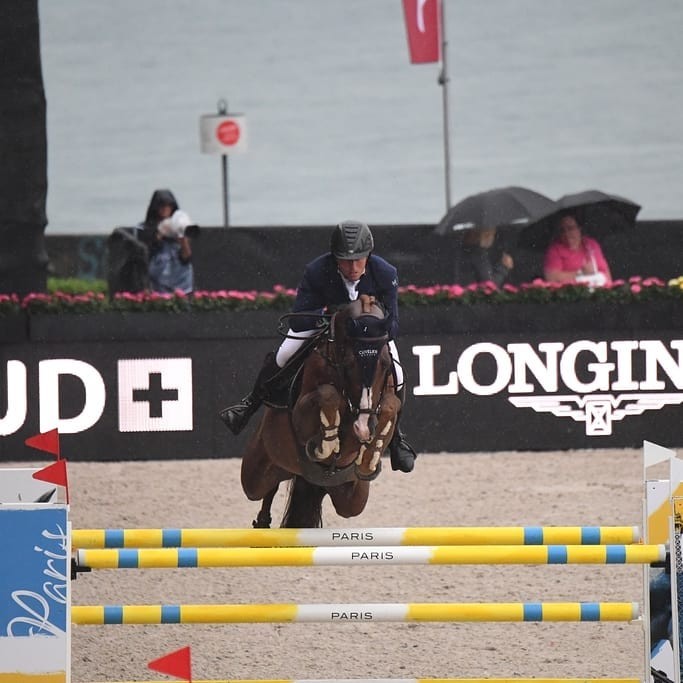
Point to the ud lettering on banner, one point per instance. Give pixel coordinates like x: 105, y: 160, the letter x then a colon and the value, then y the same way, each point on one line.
x: 423, y: 28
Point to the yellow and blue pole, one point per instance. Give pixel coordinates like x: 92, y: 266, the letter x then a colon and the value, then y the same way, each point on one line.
x: 146, y: 558
x: 355, y: 613
x: 267, y: 538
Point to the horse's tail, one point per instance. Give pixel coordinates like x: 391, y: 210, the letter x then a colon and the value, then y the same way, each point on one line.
x: 304, y: 506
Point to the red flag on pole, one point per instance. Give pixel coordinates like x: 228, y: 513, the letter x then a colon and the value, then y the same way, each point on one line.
x: 54, y: 474
x: 176, y: 664
x: 423, y: 28
x: 46, y: 441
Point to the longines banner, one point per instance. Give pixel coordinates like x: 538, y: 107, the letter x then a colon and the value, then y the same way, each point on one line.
x: 545, y: 393
x: 140, y: 400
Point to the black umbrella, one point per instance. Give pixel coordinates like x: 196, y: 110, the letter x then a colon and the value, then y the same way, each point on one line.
x: 500, y: 207
x: 597, y: 212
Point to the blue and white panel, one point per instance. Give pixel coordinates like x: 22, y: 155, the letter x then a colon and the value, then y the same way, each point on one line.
x: 35, y: 592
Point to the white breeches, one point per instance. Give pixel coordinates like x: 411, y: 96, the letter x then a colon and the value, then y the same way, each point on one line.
x: 295, y: 340
x: 292, y: 343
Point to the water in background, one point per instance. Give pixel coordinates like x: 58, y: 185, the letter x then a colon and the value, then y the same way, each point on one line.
x: 555, y: 95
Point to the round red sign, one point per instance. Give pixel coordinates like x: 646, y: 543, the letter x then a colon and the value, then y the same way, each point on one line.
x: 228, y: 133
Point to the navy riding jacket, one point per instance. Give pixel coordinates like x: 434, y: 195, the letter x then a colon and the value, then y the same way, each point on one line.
x: 322, y: 286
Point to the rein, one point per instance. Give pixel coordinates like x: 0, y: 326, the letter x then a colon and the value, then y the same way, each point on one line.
x: 323, y: 324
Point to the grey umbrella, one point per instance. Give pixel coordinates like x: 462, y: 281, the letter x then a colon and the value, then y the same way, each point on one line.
x: 499, y: 207
x: 599, y: 213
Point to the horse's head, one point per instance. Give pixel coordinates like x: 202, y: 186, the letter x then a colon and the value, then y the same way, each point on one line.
x: 361, y: 331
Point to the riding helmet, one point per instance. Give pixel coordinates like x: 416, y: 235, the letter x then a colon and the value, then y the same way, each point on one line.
x: 351, y: 240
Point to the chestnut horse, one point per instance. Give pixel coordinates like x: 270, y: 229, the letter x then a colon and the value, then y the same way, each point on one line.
x: 331, y: 440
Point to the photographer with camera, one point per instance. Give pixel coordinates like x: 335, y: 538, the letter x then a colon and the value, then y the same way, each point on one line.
x: 167, y: 231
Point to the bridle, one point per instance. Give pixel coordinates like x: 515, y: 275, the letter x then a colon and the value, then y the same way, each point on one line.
x: 330, y: 352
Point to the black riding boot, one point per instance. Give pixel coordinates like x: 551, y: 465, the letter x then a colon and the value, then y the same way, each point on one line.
x: 237, y: 416
x: 402, y: 453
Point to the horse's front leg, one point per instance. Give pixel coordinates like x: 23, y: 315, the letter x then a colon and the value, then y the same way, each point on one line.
x: 316, y: 418
x: 370, y: 453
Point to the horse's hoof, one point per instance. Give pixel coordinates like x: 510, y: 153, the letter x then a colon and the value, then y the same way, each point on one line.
x: 371, y: 476
x: 313, y: 453
x: 310, y: 451
x: 262, y: 522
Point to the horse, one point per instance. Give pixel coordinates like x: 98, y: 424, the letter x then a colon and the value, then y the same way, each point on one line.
x: 330, y: 438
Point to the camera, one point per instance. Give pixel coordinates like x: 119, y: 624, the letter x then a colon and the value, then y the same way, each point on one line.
x: 178, y: 225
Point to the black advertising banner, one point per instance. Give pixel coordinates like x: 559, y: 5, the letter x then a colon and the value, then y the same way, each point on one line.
x: 147, y: 398
x: 543, y: 392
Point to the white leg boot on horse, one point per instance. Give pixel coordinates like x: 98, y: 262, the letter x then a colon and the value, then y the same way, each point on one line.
x: 236, y: 417
x: 402, y: 453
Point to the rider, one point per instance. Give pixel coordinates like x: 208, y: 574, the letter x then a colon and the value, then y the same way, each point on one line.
x: 335, y: 278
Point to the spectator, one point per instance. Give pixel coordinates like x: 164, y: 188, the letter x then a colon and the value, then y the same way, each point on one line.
x: 480, y: 261
x: 574, y: 258
x: 162, y: 205
x: 166, y: 231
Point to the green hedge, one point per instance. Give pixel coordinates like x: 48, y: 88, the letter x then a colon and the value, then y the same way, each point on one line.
x: 72, y: 285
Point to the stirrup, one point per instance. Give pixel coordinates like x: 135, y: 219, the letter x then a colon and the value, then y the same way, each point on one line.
x: 402, y: 454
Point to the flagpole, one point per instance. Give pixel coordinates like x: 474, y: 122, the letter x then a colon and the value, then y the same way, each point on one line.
x: 443, y: 82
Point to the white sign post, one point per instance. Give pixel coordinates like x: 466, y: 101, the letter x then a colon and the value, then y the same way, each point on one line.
x: 223, y: 134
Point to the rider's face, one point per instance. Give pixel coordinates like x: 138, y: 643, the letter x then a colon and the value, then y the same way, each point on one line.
x: 352, y: 270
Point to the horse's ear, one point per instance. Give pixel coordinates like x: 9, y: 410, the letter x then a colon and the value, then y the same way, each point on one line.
x: 367, y: 326
x: 386, y: 314
x: 353, y: 328
x: 358, y: 327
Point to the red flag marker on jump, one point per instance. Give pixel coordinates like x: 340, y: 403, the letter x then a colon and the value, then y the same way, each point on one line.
x: 178, y: 664
x: 54, y: 474
x: 45, y: 441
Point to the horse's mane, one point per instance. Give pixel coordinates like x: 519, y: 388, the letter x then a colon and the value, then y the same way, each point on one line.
x: 365, y: 304
x: 368, y: 303
x: 364, y: 317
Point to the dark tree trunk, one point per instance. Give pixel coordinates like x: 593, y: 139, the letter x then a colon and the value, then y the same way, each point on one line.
x: 23, y: 150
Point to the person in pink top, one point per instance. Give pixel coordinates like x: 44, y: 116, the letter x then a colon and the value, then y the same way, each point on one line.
x: 573, y: 257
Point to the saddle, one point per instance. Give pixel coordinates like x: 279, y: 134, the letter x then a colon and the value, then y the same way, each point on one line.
x: 282, y: 389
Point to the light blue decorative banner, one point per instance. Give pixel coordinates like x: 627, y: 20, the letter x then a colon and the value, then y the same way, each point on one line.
x: 34, y: 571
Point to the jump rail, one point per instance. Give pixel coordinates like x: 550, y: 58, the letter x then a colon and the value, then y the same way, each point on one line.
x: 269, y: 538
x: 305, y: 547
x: 355, y: 613
x: 409, y: 680
x: 326, y: 556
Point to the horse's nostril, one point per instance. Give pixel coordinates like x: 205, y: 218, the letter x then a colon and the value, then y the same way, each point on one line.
x: 360, y: 429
